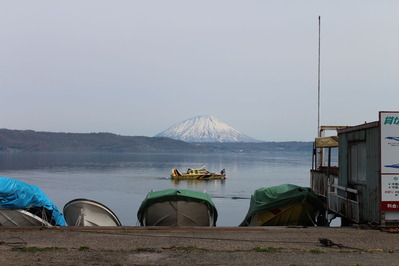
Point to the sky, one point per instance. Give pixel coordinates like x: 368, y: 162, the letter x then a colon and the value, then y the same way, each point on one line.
x: 135, y: 68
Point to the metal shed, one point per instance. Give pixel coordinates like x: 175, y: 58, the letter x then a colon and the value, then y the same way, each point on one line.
x: 357, y: 194
x: 364, y: 187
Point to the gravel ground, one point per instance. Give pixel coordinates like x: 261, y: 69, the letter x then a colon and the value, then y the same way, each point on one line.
x: 197, y: 246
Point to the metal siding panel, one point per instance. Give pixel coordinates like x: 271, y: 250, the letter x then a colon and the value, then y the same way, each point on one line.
x: 369, y: 193
x: 373, y: 175
x: 343, y: 160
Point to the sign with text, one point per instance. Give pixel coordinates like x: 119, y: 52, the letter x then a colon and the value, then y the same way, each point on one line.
x: 389, y: 140
x: 390, y: 192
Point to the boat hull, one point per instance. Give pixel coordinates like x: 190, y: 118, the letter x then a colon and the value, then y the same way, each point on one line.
x: 202, y: 176
x: 283, y: 205
x: 20, y: 218
x: 177, y: 207
x: 23, y: 201
x: 292, y: 215
x: 85, y: 212
x: 177, y: 213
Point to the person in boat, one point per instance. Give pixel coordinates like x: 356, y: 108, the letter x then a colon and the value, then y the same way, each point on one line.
x: 188, y: 170
x: 223, y: 172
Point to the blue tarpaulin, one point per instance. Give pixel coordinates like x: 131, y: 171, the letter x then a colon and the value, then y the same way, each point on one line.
x: 15, y: 194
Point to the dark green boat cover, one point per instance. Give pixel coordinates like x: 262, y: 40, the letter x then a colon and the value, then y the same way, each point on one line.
x: 270, y: 198
x: 177, y: 195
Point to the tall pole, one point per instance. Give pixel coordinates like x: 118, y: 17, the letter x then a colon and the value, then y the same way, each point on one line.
x: 319, y: 134
x: 318, y: 87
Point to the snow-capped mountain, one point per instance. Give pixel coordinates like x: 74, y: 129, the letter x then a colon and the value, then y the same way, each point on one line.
x: 204, y: 128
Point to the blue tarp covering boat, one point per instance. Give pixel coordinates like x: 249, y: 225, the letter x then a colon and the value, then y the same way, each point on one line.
x: 17, y: 195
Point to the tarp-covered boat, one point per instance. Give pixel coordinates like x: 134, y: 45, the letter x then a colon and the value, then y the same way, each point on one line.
x: 177, y: 207
x: 85, y: 212
x: 283, y: 205
x: 22, y: 204
x: 13, y: 218
x: 197, y: 174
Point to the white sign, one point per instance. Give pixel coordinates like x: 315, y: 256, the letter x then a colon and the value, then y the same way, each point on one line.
x: 389, y: 140
x: 389, y: 125
x: 390, y: 187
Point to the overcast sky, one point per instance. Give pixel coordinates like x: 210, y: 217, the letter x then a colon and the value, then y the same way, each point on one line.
x: 138, y: 67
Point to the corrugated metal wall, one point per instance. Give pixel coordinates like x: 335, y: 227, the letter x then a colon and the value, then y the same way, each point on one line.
x: 369, y: 192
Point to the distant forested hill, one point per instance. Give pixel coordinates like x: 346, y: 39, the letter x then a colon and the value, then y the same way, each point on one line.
x: 33, y: 141
x: 16, y: 141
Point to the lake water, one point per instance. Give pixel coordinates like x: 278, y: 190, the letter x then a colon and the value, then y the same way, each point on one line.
x: 122, y: 181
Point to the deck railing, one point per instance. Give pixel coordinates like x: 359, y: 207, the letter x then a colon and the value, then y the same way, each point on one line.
x: 319, y: 182
x: 341, y: 200
x: 344, y: 201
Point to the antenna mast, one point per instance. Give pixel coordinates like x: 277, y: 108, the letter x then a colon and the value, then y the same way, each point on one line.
x: 318, y: 87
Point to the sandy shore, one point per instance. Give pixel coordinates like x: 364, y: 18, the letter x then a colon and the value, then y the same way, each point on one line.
x: 197, y: 246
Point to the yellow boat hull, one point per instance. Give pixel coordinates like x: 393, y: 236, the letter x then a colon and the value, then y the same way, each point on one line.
x: 194, y: 176
x: 295, y: 215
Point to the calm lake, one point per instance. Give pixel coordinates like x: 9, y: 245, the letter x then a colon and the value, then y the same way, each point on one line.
x: 122, y: 181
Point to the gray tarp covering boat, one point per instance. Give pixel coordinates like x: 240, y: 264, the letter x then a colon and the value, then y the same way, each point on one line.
x: 283, y: 205
x: 22, y: 204
x: 85, y: 212
x: 177, y: 207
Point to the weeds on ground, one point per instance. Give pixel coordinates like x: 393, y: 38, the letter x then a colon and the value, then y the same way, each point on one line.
x: 36, y: 249
x: 267, y: 249
x: 191, y: 248
x: 142, y: 249
x: 317, y: 251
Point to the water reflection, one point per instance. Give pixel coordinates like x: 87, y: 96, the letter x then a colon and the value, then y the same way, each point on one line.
x: 199, y: 185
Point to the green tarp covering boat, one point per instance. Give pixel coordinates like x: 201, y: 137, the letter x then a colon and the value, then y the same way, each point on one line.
x: 283, y: 205
x: 177, y: 207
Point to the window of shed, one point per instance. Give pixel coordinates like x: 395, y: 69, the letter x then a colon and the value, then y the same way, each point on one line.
x: 357, y: 162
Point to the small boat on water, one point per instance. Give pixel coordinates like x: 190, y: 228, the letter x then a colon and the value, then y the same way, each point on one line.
x: 85, y: 212
x: 283, y: 205
x: 22, y: 204
x: 177, y: 207
x: 197, y: 173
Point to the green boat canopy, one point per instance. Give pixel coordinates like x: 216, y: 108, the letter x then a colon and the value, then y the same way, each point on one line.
x: 177, y: 195
x: 270, y: 198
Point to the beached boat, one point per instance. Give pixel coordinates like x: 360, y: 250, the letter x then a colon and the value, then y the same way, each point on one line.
x: 20, y: 218
x: 177, y: 207
x: 22, y: 204
x: 197, y: 173
x: 283, y: 205
x: 85, y: 212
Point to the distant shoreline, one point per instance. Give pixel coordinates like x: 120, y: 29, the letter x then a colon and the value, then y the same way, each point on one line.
x: 28, y: 141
